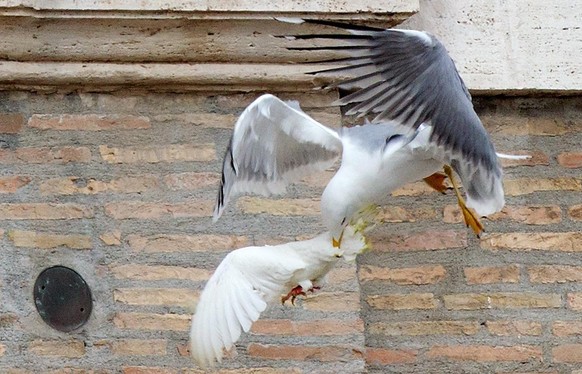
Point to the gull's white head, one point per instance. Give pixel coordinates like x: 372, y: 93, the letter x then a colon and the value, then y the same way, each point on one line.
x: 337, y: 210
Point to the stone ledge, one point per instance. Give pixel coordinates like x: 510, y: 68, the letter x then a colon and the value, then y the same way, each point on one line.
x: 184, y: 77
x: 217, y: 9
x: 73, y: 76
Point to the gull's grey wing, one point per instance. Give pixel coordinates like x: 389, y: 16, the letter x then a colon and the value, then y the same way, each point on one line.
x: 273, y: 144
x: 407, y: 76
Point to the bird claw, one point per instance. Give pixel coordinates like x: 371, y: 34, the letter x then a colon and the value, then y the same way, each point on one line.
x: 293, y: 295
x: 472, y: 221
x: 297, y: 291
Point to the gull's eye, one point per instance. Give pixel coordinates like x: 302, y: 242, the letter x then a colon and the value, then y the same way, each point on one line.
x: 343, y: 221
x: 393, y: 137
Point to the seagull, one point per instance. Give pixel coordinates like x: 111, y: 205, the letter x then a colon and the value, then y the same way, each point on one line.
x: 274, y: 143
x: 407, y: 76
x: 248, y: 279
x: 424, y: 122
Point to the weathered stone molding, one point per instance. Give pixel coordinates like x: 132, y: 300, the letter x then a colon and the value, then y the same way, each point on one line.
x: 363, y: 9
x: 167, y: 45
x: 75, y: 76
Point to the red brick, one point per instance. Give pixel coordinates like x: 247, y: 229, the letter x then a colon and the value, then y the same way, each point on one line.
x: 147, y: 210
x: 570, y: 160
x: 75, y: 370
x: 8, y: 320
x: 135, y: 347
x: 510, y: 300
x: 63, y: 348
x: 148, y: 370
x: 192, y: 181
x: 325, y: 327
x: 414, y: 189
x: 403, y: 301
x: 403, y: 276
x: 308, y: 99
x: 547, y: 241
x: 186, y: 243
x: 426, y: 240
x: 515, y: 125
x: 151, y: 321
x: 293, y: 352
x: 183, y: 297
x: 492, y: 274
x: 111, y: 238
x: 536, y: 158
x: 575, y: 212
x: 530, y: 372
x: 343, y: 278
x: 254, y: 370
x: 204, y: 120
x: 567, y: 328
x: 158, y: 153
x: 525, y: 186
x: 483, y: 353
x: 320, y: 179
x: 13, y: 184
x: 383, y: 356
x: 333, y: 302
x: 11, y: 123
x: 111, y: 102
x: 571, y: 353
x: 26, y: 211
x: 514, y: 328
x: 76, y: 185
x: 575, y: 300
x: 33, y: 239
x: 278, y: 207
x: 531, y: 215
x: 158, y: 272
x: 395, y: 214
x: 45, y: 155
x: 88, y: 122
x: 410, y: 328
x: 554, y: 274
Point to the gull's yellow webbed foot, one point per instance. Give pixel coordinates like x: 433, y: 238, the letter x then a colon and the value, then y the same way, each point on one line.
x: 471, y: 219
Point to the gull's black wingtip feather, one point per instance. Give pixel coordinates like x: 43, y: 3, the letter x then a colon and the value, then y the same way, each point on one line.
x: 324, y: 36
x: 342, y: 25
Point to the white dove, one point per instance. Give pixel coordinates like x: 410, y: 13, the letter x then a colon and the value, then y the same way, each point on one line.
x: 250, y: 278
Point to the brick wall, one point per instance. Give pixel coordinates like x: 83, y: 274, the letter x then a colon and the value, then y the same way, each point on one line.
x: 120, y: 187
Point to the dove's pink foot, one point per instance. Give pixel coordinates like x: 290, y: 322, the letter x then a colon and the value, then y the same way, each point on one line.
x: 296, y: 292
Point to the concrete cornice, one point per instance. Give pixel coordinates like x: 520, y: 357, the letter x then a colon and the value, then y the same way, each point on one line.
x: 69, y: 76
x: 158, y: 45
x: 213, y: 9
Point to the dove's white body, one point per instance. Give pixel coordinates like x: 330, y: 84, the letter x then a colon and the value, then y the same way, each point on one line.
x: 248, y: 279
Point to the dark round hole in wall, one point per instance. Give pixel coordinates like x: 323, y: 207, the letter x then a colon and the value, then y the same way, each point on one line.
x: 62, y: 298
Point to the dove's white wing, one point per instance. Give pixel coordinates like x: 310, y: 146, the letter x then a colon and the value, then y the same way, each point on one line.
x: 234, y: 297
x: 273, y: 143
